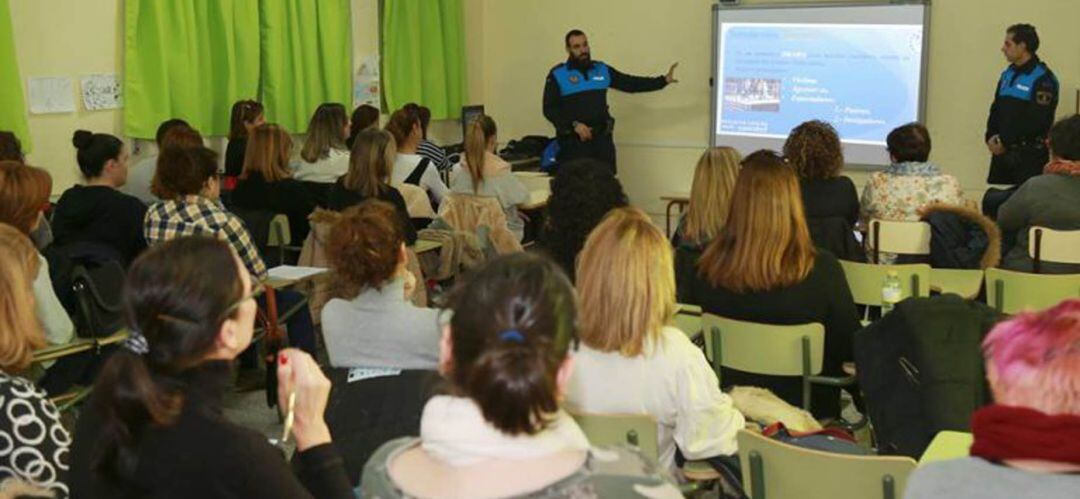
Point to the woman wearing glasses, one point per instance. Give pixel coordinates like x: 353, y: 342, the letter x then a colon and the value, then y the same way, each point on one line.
x: 154, y: 426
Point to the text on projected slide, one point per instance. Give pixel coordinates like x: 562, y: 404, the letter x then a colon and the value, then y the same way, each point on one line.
x: 864, y: 79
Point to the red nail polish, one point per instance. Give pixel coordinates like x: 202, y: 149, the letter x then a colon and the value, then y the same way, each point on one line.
x: 283, y: 359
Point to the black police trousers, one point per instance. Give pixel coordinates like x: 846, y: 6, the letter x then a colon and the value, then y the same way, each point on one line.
x: 601, y: 147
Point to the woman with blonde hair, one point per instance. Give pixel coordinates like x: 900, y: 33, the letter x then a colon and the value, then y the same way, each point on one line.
x: 483, y: 173
x: 370, y: 168
x: 762, y: 267
x: 266, y: 183
x: 325, y: 157
x: 35, y: 433
x: 710, y: 197
x: 632, y: 359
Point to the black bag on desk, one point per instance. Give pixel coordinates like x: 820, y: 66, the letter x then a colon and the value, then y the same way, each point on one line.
x: 529, y: 146
x: 921, y: 369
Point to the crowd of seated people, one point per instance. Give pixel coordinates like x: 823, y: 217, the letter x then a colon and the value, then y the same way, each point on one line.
x: 583, y: 321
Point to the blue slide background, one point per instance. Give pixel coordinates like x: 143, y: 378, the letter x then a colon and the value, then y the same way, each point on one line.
x: 868, y: 74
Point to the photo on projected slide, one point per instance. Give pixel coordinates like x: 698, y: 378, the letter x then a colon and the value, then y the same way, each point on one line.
x: 752, y: 94
x: 863, y: 79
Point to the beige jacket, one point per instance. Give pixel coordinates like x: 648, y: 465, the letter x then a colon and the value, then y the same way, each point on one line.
x: 482, y: 216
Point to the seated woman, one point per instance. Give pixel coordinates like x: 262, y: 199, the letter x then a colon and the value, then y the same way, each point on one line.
x: 409, y: 166
x: 428, y: 148
x: 710, y: 197
x: 266, y: 183
x: 325, y: 157
x: 24, y: 193
x: 632, y: 360
x: 186, y: 180
x: 363, y: 117
x: 370, y: 166
x: 582, y: 192
x: 32, y: 424
x: 1048, y: 200
x: 245, y: 116
x: 98, y: 212
x: 500, y: 432
x: 485, y: 174
x: 813, y: 149
x: 154, y: 425
x: 763, y: 268
x: 909, y: 184
x: 374, y: 324
x: 141, y: 175
x: 1026, y: 442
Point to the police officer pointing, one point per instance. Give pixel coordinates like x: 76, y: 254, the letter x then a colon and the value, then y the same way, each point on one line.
x: 575, y: 101
x: 1023, y: 110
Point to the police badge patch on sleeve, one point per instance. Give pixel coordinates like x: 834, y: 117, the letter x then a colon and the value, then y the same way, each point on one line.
x: 1043, y: 97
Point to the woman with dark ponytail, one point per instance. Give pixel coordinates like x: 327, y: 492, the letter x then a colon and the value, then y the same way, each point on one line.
x: 96, y: 212
x: 483, y: 173
x: 154, y: 425
x: 245, y: 116
x: 499, y: 432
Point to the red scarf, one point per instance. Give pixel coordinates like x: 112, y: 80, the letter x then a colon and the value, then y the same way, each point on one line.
x: 1006, y: 432
x: 1063, y: 167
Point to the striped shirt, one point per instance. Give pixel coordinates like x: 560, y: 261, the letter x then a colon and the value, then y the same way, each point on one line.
x: 436, y: 154
x: 192, y: 215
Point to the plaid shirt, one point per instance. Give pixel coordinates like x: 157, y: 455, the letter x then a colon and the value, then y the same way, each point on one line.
x: 193, y: 215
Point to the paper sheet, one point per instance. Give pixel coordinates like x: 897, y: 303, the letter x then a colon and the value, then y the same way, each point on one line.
x: 101, y: 91
x: 294, y: 273
x: 51, y: 95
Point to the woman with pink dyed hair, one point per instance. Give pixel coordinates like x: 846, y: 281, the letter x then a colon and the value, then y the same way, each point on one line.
x: 1027, y: 444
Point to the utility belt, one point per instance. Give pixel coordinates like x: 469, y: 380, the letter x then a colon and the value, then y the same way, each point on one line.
x: 606, y: 127
x: 1033, y: 143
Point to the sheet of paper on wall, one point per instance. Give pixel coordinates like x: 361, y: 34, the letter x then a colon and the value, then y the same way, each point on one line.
x: 366, y: 82
x: 51, y: 95
x: 101, y: 91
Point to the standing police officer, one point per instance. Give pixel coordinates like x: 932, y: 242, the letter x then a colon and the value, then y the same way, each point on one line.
x: 1022, y: 112
x: 575, y: 101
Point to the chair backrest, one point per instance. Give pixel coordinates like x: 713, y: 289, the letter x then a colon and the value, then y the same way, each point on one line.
x: 279, y: 235
x: 688, y: 320
x: 1049, y: 245
x: 768, y: 349
x: 636, y: 430
x: 776, y: 470
x: 417, y: 202
x: 905, y: 238
x: 1011, y: 292
x: 480, y: 215
x: 867, y: 279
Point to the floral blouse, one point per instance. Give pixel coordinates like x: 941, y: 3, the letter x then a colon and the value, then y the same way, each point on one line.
x: 898, y: 192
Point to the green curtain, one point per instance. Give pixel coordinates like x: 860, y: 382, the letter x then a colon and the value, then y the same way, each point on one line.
x: 306, y: 58
x: 188, y: 59
x: 424, y: 55
x: 12, y: 105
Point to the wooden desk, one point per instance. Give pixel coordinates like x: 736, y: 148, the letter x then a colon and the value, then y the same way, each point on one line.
x: 947, y: 445
x: 285, y: 282
x: 681, y: 199
x: 539, y: 186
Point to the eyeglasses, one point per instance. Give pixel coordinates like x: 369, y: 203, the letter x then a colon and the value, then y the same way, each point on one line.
x: 255, y: 293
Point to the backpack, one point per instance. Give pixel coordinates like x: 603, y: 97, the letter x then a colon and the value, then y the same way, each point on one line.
x: 99, y: 294
x: 921, y: 370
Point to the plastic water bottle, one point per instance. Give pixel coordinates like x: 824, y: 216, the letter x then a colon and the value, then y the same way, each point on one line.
x: 890, y: 292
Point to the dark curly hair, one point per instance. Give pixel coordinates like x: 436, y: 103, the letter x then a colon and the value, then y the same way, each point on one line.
x: 582, y: 192
x: 363, y: 247
x: 813, y: 148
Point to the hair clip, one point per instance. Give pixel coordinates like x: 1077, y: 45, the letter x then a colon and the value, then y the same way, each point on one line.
x: 512, y: 335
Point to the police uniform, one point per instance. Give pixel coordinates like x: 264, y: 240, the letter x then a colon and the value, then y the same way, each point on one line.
x: 1022, y: 114
x: 576, y: 93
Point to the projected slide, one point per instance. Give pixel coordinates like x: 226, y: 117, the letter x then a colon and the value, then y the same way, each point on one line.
x: 862, y: 78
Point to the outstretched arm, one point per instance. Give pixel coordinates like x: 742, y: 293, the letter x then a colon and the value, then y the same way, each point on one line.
x: 633, y: 84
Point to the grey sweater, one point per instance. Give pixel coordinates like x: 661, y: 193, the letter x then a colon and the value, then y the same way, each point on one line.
x: 380, y: 328
x: 1050, y: 200
x: 975, y: 478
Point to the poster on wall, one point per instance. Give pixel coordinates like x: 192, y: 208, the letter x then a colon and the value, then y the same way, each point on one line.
x: 48, y: 95
x: 366, y: 83
x: 101, y: 91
